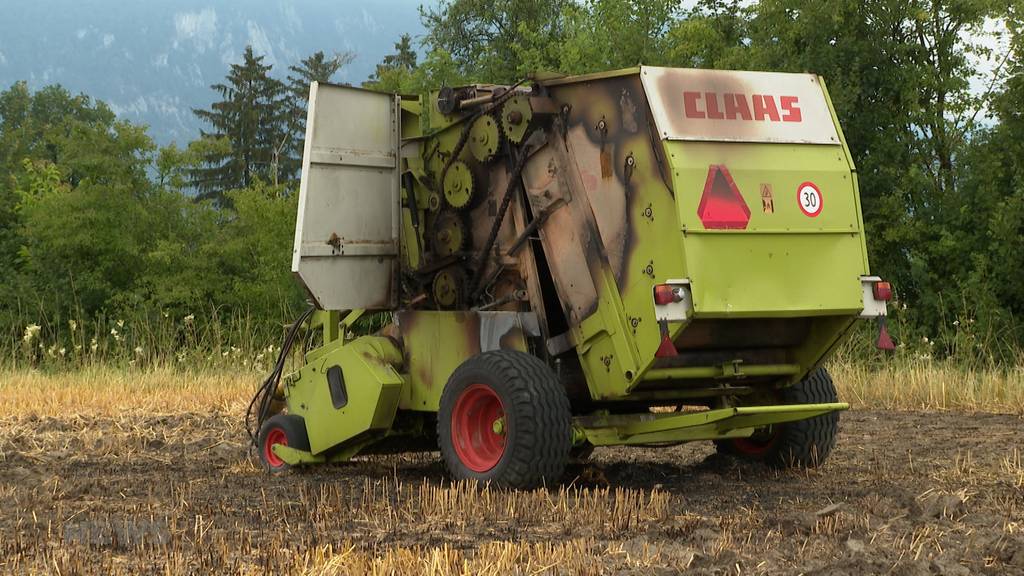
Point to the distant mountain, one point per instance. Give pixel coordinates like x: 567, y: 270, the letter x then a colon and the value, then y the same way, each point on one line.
x: 153, y: 61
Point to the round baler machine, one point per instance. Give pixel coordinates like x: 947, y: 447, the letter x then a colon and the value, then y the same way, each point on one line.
x: 640, y: 257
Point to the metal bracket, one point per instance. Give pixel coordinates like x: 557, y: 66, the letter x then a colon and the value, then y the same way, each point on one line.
x: 732, y: 369
x: 335, y: 246
x: 296, y: 457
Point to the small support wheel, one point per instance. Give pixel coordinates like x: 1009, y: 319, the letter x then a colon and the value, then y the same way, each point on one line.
x: 801, y: 444
x: 504, y: 418
x: 285, y: 429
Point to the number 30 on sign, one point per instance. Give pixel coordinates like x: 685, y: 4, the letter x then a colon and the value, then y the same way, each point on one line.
x: 808, y: 197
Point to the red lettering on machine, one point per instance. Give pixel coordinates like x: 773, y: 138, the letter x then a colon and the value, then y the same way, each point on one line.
x: 756, y: 107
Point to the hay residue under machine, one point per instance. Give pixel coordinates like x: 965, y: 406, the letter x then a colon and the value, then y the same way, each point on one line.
x: 640, y: 257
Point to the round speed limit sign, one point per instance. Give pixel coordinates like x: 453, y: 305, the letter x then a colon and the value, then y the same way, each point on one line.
x: 808, y: 197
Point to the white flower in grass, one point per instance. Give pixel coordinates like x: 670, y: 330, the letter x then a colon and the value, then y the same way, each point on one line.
x: 62, y: 351
x: 78, y: 347
x: 956, y: 322
x: 73, y: 325
x: 188, y: 319
x: 120, y: 323
x: 138, y: 350
x: 93, y: 345
x: 31, y: 331
x: 52, y: 351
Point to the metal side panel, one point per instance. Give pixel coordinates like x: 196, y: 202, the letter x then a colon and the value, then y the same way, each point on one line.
x: 347, y: 230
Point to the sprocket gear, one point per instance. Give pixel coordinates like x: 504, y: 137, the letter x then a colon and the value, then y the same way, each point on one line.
x: 485, y: 138
x: 448, y: 286
x: 516, y: 115
x: 448, y: 234
x: 459, y: 185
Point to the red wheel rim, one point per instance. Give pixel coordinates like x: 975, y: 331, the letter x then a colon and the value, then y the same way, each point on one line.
x: 274, y: 436
x: 478, y: 428
x: 758, y: 445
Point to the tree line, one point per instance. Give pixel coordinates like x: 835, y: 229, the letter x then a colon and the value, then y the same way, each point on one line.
x: 95, y: 218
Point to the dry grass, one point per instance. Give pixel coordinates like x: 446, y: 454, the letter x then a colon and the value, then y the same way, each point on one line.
x: 925, y: 384
x: 102, y: 391
x: 570, y: 557
x: 899, y: 385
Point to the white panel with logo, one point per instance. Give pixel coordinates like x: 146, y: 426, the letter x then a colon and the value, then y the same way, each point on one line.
x: 730, y: 106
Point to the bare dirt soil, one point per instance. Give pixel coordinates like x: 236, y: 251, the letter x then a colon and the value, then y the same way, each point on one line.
x: 904, y: 493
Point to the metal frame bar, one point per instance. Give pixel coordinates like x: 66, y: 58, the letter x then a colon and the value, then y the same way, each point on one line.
x: 737, y: 422
x: 727, y: 370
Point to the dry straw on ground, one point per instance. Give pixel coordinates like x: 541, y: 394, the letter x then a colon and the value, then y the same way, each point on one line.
x: 901, y: 385
x: 117, y: 472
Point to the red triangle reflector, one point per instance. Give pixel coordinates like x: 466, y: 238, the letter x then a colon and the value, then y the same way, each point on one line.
x: 884, y: 341
x: 722, y: 206
x: 667, y: 348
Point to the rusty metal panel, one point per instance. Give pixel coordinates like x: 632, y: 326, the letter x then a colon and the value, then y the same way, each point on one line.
x: 434, y: 344
x: 731, y: 106
x: 347, y: 231
x: 570, y: 241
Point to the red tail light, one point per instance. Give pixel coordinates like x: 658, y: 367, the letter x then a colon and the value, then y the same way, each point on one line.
x: 667, y: 294
x: 882, y: 291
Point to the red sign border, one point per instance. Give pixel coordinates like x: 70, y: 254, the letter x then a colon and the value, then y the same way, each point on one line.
x: 821, y: 205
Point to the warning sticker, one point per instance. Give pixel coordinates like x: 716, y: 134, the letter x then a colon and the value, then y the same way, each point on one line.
x: 767, y: 202
x: 808, y: 197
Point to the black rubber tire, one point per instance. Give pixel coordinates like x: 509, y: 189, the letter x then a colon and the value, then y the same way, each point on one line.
x: 802, y: 444
x: 537, y: 419
x: 294, y: 428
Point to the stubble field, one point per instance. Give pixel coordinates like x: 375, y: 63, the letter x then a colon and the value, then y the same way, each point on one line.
x: 113, y: 473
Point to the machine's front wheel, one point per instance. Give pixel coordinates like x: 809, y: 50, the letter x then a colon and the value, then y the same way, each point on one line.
x: 285, y: 429
x: 806, y: 443
x: 504, y: 418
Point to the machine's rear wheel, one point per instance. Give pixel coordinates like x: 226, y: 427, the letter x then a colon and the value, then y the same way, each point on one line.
x: 285, y: 429
x: 504, y: 418
x: 806, y: 443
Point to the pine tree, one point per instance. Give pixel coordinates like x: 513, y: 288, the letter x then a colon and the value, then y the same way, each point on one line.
x: 316, y: 68
x: 395, y: 73
x: 404, y: 59
x: 252, y: 116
